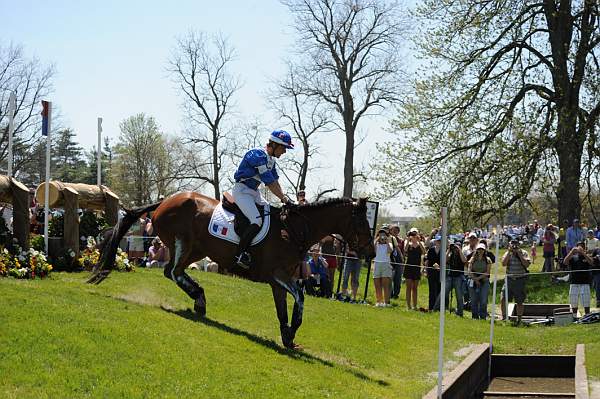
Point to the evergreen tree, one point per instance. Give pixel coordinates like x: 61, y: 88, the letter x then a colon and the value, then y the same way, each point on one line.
x: 67, y: 163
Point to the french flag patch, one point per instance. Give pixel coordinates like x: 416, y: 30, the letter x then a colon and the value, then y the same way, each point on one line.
x: 219, y: 229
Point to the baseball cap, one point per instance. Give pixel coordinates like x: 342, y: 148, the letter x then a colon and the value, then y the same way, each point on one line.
x: 481, y: 246
x: 472, y: 235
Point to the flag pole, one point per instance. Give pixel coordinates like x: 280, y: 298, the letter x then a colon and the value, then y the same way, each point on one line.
x: 99, y: 152
x: 442, y: 300
x: 46, y: 127
x: 493, y: 318
x: 12, y: 106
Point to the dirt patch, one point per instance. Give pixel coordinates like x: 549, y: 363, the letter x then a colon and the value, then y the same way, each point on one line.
x: 144, y: 297
x: 458, y: 355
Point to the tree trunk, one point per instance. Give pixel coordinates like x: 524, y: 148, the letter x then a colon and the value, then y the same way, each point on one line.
x: 569, y: 148
x: 304, y: 168
x: 216, y: 169
x: 349, y: 161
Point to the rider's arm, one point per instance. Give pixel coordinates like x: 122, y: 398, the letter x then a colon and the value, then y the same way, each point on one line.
x: 275, y: 188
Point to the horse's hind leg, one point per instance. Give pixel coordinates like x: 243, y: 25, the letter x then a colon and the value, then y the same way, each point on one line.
x: 175, y: 271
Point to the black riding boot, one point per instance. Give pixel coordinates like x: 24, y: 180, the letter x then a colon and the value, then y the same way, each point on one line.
x: 243, y: 258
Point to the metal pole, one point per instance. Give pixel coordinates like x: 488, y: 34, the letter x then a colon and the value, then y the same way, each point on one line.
x: 47, y: 186
x: 442, y: 301
x: 341, y: 267
x: 493, y: 318
x: 368, y: 261
x: 12, y: 106
x: 99, y: 152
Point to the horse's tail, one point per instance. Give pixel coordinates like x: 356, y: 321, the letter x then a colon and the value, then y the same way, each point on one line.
x: 111, y: 242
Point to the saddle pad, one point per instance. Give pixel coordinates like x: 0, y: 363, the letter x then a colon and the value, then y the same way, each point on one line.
x: 221, y: 226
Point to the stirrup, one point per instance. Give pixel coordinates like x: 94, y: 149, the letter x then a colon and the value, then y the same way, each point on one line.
x: 244, y: 260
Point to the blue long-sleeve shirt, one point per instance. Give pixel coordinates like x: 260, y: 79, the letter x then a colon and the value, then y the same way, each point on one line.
x: 574, y: 235
x: 256, y: 167
x: 318, y: 267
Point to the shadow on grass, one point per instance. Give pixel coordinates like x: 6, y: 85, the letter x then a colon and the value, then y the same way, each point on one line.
x: 271, y: 344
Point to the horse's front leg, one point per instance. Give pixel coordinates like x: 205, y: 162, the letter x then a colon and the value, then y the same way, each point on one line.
x: 279, y: 296
x: 289, y: 333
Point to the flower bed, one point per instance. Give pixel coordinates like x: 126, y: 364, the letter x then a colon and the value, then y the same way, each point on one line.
x: 24, y: 264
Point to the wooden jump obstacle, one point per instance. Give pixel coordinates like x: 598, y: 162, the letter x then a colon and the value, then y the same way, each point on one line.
x: 15, y: 193
x: 74, y: 196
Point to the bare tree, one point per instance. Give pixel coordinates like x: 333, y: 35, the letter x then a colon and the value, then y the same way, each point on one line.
x: 349, y: 57
x: 30, y: 80
x: 199, y: 65
x: 139, y: 147
x: 306, y: 116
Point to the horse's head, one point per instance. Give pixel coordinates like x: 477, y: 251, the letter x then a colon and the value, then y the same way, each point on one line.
x: 360, y: 239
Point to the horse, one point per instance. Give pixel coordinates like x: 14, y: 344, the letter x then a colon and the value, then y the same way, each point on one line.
x: 181, y: 221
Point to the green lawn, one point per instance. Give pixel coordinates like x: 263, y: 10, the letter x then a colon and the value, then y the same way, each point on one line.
x: 134, y: 336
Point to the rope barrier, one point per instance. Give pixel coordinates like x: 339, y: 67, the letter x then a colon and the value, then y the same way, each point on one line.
x: 464, y: 271
x: 457, y: 270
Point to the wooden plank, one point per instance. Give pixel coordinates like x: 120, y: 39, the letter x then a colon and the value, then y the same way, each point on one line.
x: 581, y: 381
x: 533, y: 394
x: 467, y: 378
x: 20, y: 203
x: 533, y: 366
x: 90, y: 196
x: 71, y: 220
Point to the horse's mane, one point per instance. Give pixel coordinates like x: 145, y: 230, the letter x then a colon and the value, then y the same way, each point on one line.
x: 326, y: 203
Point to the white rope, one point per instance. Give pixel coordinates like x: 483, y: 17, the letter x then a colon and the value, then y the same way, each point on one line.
x: 457, y: 270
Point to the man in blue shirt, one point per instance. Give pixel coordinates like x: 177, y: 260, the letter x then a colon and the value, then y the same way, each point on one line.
x: 575, y: 234
x: 258, y: 166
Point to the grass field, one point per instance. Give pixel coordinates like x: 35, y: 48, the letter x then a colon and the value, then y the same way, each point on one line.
x: 134, y: 336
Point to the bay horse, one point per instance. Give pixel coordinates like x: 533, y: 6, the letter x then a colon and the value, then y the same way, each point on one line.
x: 181, y: 221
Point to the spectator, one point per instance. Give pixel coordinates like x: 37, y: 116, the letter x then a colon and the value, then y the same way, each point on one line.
x: 597, y: 232
x: 580, y: 264
x: 468, y: 251
x: 533, y: 253
x: 414, y: 251
x: 158, y: 254
x: 596, y: 275
x: 592, y: 243
x: 318, y: 275
x: 397, y: 258
x: 330, y: 249
x: 516, y: 262
x: 433, y: 271
x: 574, y: 235
x: 351, y: 269
x: 455, y: 264
x: 548, y: 240
x: 562, y: 239
x: 301, y: 197
x: 382, y: 270
x: 147, y: 231
x: 479, y: 286
x: 488, y: 253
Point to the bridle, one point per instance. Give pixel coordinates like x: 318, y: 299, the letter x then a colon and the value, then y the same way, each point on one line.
x: 299, y: 233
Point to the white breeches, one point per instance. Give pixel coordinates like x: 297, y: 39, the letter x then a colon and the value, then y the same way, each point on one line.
x: 246, y: 199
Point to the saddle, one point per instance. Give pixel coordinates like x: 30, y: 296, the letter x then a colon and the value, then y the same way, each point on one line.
x: 241, y: 221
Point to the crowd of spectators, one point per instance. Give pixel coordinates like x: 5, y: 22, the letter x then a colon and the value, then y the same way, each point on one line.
x: 571, y: 249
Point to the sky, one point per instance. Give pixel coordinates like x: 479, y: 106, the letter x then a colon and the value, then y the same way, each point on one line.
x: 111, y: 59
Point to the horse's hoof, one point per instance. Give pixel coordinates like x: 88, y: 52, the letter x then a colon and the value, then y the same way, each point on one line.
x: 200, y: 308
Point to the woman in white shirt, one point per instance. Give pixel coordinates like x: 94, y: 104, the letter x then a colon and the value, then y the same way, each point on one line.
x: 382, y: 271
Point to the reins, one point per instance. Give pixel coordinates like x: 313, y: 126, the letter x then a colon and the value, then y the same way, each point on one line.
x: 299, y: 238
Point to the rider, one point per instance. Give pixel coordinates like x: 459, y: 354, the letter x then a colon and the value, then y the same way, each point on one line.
x: 258, y: 166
